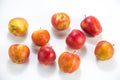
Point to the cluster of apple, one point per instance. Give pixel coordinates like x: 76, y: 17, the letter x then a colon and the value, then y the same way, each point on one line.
x: 68, y: 61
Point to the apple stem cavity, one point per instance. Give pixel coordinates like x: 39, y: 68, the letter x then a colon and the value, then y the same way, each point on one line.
x: 62, y: 16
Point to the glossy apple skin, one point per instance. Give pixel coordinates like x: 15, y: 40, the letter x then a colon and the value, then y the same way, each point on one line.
x: 19, y: 53
x: 68, y: 62
x: 18, y: 26
x: 75, y: 39
x: 104, y: 50
x: 91, y: 25
x: 60, y: 21
x: 46, y: 55
x: 40, y: 37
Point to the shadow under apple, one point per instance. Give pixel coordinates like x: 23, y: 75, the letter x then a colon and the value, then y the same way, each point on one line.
x: 16, y: 39
x: 108, y: 65
x: 34, y: 48
x: 70, y: 76
x: 81, y: 52
x: 60, y: 34
x: 16, y: 69
x: 46, y: 70
x: 94, y: 40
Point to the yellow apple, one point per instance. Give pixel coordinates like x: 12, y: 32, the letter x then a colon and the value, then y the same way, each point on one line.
x: 18, y: 26
x: 104, y: 50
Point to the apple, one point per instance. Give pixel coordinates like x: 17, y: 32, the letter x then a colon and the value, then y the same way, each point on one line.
x: 75, y: 39
x: 68, y: 62
x: 60, y: 21
x: 104, y: 50
x: 19, y: 53
x: 18, y: 26
x: 46, y: 55
x: 40, y: 37
x: 91, y: 25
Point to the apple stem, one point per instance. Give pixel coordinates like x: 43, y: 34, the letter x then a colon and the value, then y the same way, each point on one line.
x: 85, y: 15
x: 74, y: 51
x: 113, y: 44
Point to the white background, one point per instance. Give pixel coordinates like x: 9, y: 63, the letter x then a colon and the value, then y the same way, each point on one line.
x: 38, y: 14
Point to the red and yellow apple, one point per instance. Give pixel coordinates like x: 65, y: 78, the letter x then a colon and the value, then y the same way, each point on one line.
x: 104, y: 50
x: 68, y: 62
x: 18, y: 26
x: 40, y: 37
x: 19, y: 53
x: 60, y: 21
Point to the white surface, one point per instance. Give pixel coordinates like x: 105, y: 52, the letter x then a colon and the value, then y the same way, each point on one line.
x: 38, y: 14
